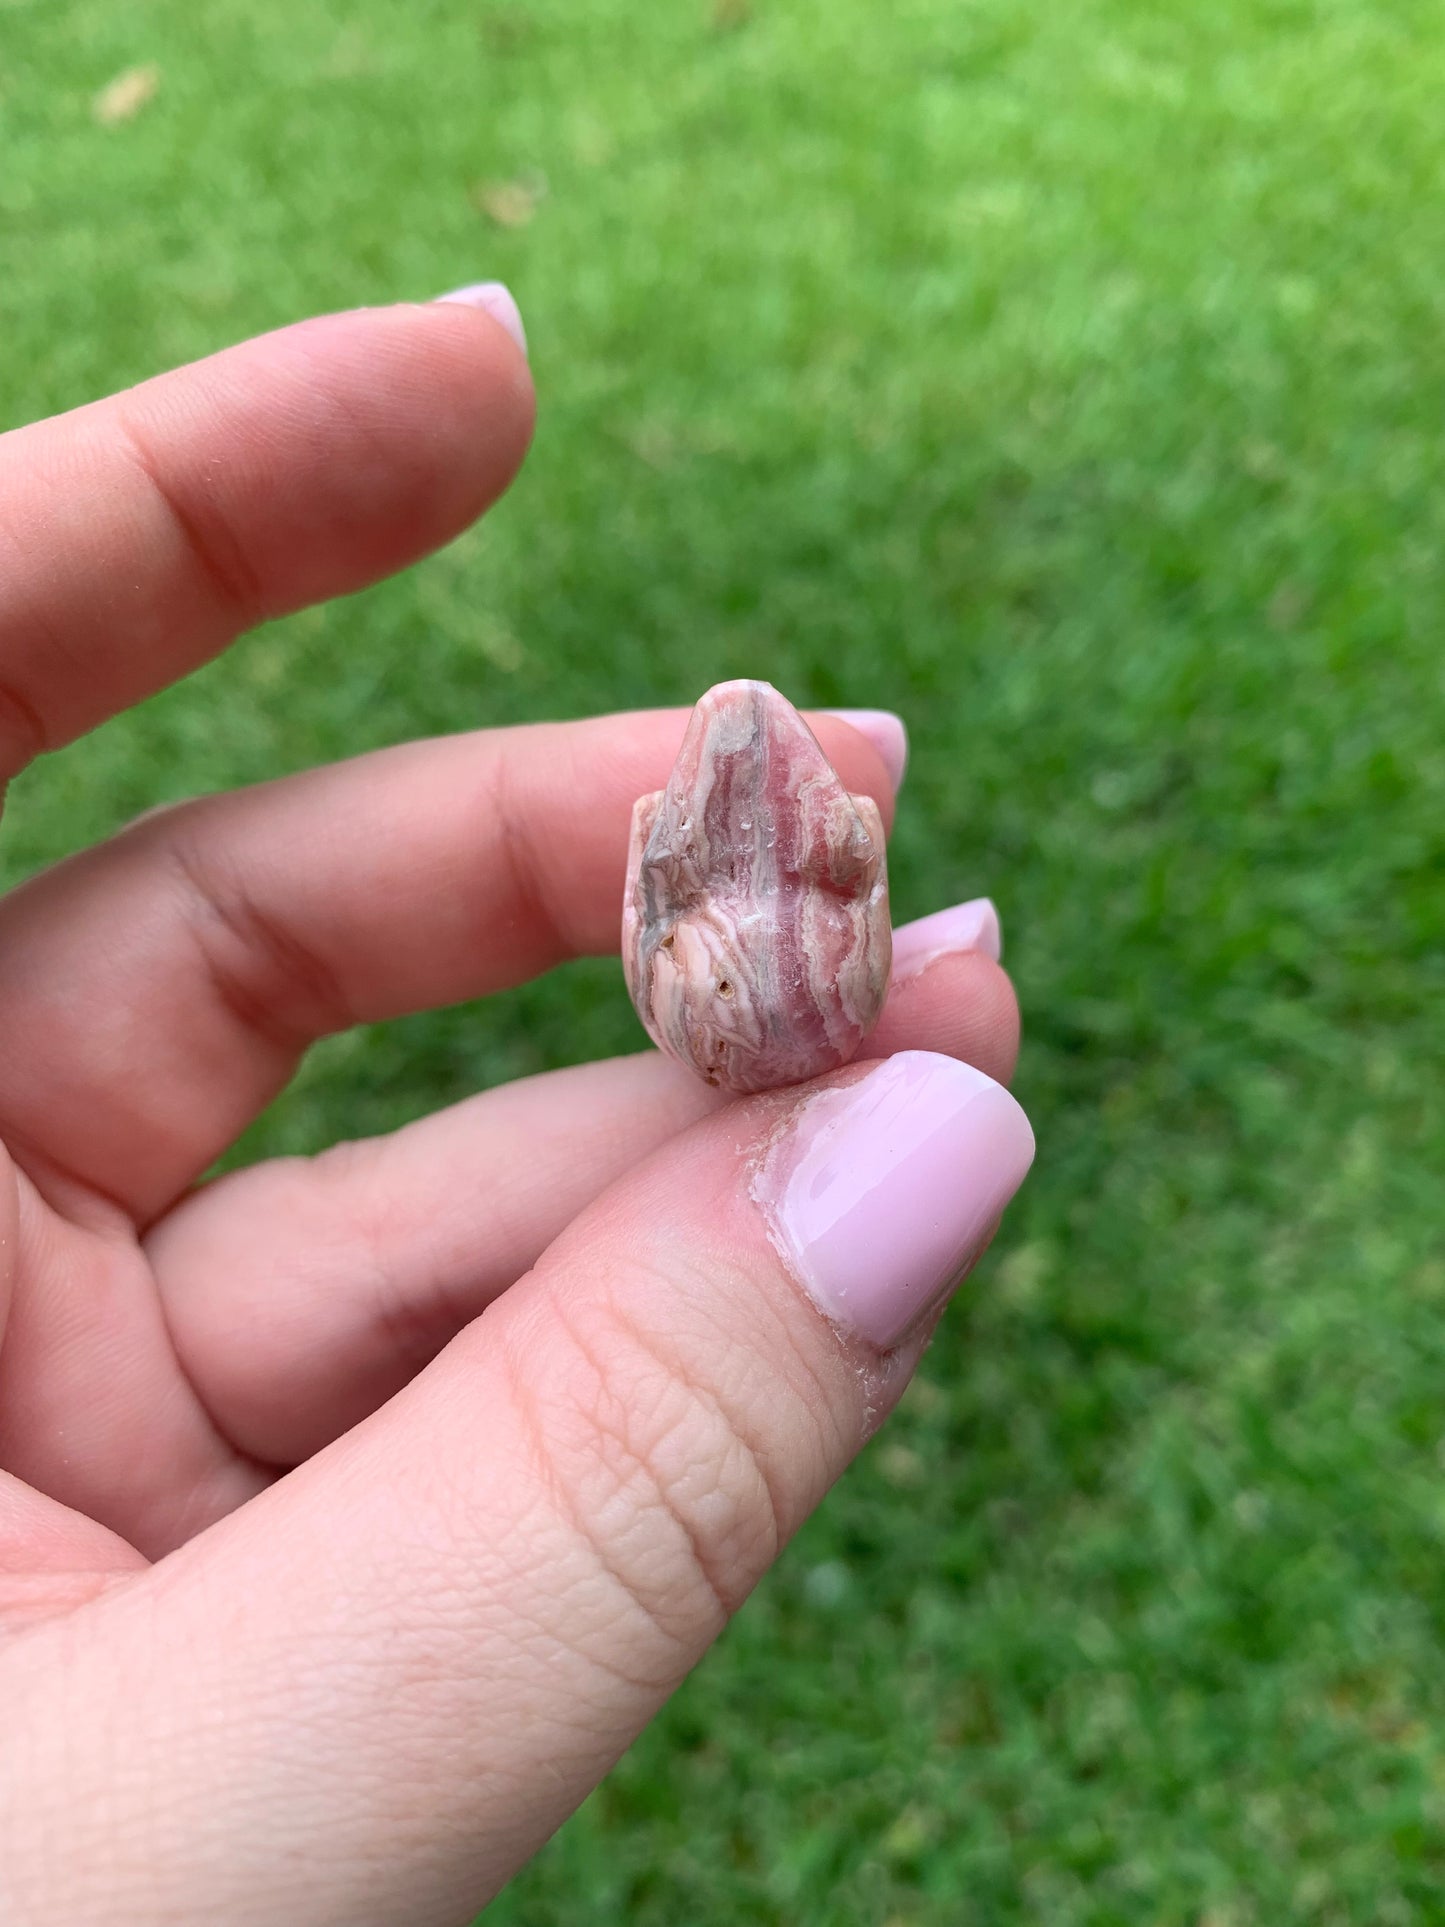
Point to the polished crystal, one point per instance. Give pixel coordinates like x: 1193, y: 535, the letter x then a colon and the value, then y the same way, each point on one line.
x: 755, y: 931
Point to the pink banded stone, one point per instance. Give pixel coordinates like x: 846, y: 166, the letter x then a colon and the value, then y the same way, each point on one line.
x: 755, y: 931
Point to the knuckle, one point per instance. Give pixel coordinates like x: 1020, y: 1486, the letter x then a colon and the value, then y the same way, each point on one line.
x: 22, y: 730
x: 529, y: 887
x: 666, y: 1482
x: 216, y: 555
x: 263, y: 974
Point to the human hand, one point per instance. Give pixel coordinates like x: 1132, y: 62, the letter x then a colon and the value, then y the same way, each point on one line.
x: 324, y: 1597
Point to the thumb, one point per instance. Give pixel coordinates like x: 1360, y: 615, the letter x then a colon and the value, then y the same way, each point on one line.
x: 399, y: 1669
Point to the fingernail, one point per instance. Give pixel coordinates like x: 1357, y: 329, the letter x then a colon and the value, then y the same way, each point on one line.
x: 967, y: 926
x: 496, y: 298
x: 883, y: 1190
x: 886, y: 733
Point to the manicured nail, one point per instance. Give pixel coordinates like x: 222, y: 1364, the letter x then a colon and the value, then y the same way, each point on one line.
x: 886, y: 733
x: 967, y: 926
x: 883, y: 1190
x: 496, y: 298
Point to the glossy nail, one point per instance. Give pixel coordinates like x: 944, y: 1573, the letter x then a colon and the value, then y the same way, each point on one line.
x: 967, y: 926
x: 497, y: 299
x: 883, y: 1189
x: 886, y: 733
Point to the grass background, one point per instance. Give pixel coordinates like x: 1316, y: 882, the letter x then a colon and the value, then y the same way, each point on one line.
x: 1070, y: 378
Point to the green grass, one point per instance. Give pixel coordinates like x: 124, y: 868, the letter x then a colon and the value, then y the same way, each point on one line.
x: 1071, y: 377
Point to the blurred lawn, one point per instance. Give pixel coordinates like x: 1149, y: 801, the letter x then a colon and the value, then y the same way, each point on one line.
x: 1072, y: 378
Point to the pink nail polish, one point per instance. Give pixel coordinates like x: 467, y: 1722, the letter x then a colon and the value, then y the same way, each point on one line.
x: 497, y: 299
x: 886, y: 733
x: 967, y: 926
x: 883, y: 1189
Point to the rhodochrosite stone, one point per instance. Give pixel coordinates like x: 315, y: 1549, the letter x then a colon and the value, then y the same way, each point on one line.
x: 755, y: 930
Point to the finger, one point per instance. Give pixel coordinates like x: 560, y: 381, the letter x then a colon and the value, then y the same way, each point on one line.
x: 348, y: 1272
x: 53, y: 1559
x: 947, y: 993
x: 9, y: 1234
x: 140, y: 535
x: 417, y: 1653
x: 200, y: 952
x: 94, y: 1413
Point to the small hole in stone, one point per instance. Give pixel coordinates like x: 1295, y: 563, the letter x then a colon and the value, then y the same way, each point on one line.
x: 667, y: 943
x: 724, y: 988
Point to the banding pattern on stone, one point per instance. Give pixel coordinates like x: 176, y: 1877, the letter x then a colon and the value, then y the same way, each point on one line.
x: 755, y: 929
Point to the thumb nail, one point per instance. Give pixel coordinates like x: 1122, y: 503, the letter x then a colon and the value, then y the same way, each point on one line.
x: 883, y: 1190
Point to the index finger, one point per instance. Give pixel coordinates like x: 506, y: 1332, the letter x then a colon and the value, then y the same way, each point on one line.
x: 141, y: 535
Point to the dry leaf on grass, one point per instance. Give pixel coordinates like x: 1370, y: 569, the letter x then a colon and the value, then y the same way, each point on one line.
x: 126, y: 95
x: 506, y: 31
x: 510, y: 203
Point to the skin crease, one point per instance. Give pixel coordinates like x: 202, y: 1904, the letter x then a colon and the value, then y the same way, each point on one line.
x: 422, y: 1573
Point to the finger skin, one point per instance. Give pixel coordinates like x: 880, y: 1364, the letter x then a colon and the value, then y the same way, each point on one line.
x: 401, y: 1667
x: 52, y: 1559
x: 962, y: 1005
x: 140, y: 535
x: 9, y: 1234
x: 204, y: 949
x: 349, y: 1271
x: 94, y: 1412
